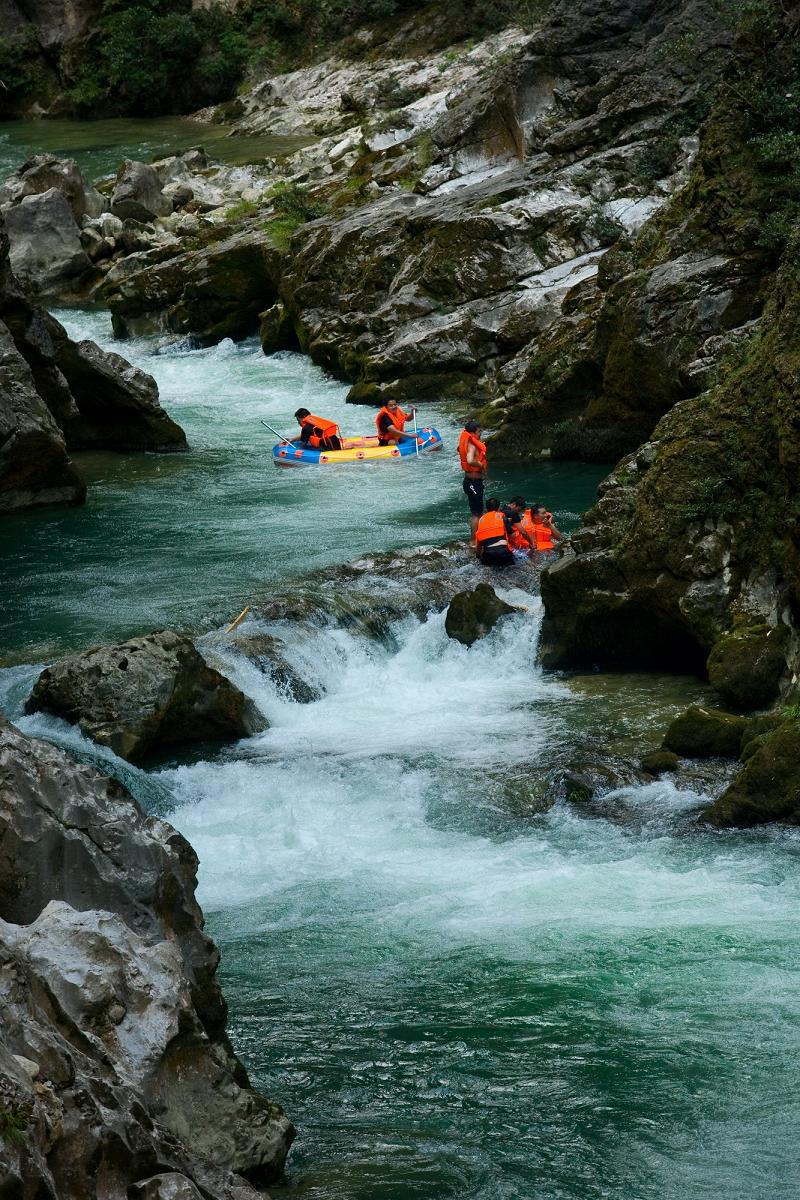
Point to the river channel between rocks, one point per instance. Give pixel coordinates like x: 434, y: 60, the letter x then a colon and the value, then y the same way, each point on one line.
x: 454, y: 989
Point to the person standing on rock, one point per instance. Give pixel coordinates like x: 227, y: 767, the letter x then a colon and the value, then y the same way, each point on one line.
x: 318, y: 433
x: 472, y: 453
x: 390, y: 423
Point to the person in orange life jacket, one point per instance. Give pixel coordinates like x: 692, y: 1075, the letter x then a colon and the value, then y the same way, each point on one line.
x: 390, y: 423
x: 543, y: 528
x: 521, y: 538
x: 317, y: 433
x: 491, y: 537
x: 472, y: 454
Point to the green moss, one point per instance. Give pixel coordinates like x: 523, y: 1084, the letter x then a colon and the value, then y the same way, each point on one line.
x: 14, y: 1123
x: 241, y: 210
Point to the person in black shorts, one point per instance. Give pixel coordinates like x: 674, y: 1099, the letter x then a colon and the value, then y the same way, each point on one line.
x: 472, y: 455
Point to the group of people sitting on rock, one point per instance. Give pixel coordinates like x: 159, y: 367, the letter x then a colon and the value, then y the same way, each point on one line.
x: 513, y: 532
x: 318, y: 433
x: 504, y: 533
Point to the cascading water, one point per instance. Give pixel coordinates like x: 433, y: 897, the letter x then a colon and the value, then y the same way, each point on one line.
x: 454, y: 990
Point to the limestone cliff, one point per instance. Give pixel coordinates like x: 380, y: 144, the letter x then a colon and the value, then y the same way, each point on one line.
x: 692, y: 552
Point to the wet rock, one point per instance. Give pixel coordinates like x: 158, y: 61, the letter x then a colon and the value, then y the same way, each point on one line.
x: 705, y: 733
x: 45, y: 171
x: 768, y: 786
x: 118, y: 406
x: 758, y: 730
x: 46, y: 250
x: 167, y: 1186
x: 109, y: 1001
x: 212, y: 293
x: 138, y: 193
x: 34, y: 466
x: 472, y: 615
x: 267, y: 653
x: 746, y: 665
x: 53, y: 391
x: 659, y: 761
x: 276, y: 331
x: 144, y: 693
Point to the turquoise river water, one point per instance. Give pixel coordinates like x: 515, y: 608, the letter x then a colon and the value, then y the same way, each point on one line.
x: 453, y: 995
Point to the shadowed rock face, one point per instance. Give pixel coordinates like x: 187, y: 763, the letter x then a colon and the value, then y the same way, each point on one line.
x: 145, y: 693
x: 114, y: 1065
x: 57, y: 395
x: 692, y: 548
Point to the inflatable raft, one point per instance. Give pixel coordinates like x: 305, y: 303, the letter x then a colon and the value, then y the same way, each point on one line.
x: 356, y: 449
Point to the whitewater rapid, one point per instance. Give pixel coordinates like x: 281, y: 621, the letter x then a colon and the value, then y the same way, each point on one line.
x: 454, y: 988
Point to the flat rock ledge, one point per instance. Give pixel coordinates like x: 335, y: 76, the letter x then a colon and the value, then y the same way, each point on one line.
x: 116, y: 1076
x: 143, y: 694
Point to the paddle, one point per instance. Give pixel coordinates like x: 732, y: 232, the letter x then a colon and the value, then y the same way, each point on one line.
x: 236, y: 622
x: 416, y: 439
x: 280, y: 436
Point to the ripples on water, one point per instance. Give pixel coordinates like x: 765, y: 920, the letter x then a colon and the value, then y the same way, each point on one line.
x: 452, y: 996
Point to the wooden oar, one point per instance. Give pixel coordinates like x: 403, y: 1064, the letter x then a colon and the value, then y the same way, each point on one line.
x: 236, y: 622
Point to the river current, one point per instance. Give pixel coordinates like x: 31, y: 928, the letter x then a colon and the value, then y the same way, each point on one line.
x: 452, y: 993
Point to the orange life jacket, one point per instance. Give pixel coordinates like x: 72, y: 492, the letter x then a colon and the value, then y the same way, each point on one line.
x: 527, y: 521
x: 464, y: 442
x: 544, y: 536
x: 515, y: 538
x: 323, y: 430
x: 397, y: 418
x: 491, y: 525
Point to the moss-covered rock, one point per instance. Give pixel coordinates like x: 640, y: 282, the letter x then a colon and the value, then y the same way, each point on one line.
x: 768, y: 786
x: 705, y: 733
x: 746, y: 665
x: 659, y: 761
x: 276, y: 331
x: 471, y: 615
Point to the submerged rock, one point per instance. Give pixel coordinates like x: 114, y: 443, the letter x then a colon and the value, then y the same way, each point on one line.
x: 472, y: 615
x: 768, y: 786
x: 266, y: 652
x: 114, y: 1064
x: 145, y: 693
x: 657, y: 762
x: 705, y: 733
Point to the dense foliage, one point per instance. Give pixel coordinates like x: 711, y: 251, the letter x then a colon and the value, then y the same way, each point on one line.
x: 148, y: 57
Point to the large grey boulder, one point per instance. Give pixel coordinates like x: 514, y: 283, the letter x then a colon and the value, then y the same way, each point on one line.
x: 116, y: 1077
x: 34, y: 466
x: 118, y: 406
x: 138, y: 193
x: 45, y: 171
x: 53, y: 392
x: 46, y: 250
x: 144, y: 693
